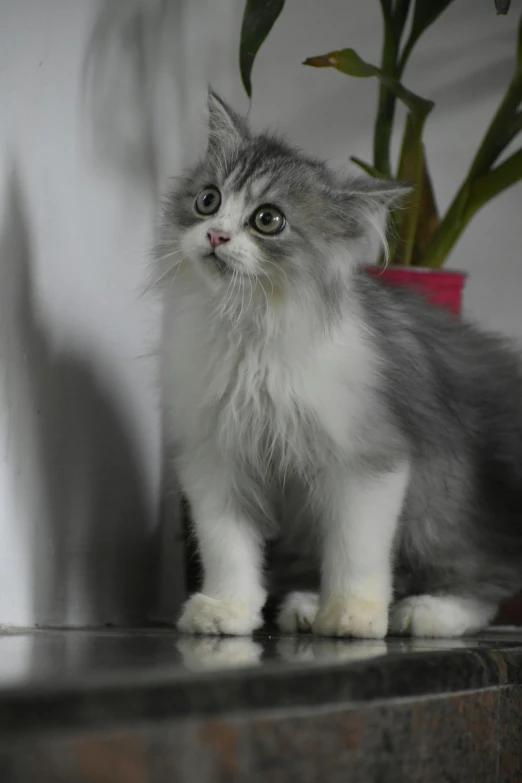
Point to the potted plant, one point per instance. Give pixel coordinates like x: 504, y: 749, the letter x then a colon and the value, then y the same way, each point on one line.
x: 422, y: 239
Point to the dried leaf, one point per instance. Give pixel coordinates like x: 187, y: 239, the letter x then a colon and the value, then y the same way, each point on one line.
x: 348, y: 61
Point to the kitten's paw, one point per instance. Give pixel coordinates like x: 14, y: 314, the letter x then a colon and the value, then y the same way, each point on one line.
x: 206, y: 615
x: 352, y: 616
x: 298, y: 612
x: 442, y: 616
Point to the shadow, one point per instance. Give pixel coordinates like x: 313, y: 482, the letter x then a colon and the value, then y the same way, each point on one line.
x: 468, y: 89
x: 132, y: 105
x: 128, y: 60
x: 78, y: 485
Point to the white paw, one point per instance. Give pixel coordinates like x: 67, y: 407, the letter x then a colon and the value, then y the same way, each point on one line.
x: 206, y: 615
x: 298, y: 612
x: 352, y: 616
x: 210, y: 653
x: 443, y: 616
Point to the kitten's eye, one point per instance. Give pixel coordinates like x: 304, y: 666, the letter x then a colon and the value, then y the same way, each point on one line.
x: 268, y: 220
x: 208, y: 201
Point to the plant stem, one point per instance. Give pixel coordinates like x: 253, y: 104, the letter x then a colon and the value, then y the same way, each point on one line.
x: 410, y: 43
x: 386, y: 106
x: 411, y: 169
x: 451, y: 227
x: 402, y: 9
x: 393, y: 29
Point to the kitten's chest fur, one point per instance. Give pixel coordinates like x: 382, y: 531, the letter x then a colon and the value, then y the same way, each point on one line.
x: 270, y: 408
x: 276, y: 405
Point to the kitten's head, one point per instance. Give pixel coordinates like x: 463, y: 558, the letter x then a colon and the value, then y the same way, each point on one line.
x: 258, y: 216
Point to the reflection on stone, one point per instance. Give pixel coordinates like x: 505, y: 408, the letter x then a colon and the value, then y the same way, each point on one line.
x: 306, y: 649
x: 412, y: 644
x: 210, y: 652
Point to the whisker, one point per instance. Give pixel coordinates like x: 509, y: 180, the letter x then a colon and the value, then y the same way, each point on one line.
x: 173, y: 279
x: 155, y: 283
x: 229, y: 291
x: 266, y: 297
x: 167, y: 255
x: 241, y: 308
x: 278, y: 267
x: 269, y: 280
x: 233, y: 296
x: 252, y: 285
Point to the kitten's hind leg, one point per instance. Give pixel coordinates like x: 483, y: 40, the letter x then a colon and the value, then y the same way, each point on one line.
x: 440, y: 615
x: 297, y: 612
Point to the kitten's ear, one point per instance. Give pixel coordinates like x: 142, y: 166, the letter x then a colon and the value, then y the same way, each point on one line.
x: 225, y: 127
x: 368, y: 203
x: 378, y: 194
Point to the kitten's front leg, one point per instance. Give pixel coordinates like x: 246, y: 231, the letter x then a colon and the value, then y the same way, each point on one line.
x: 359, y: 526
x: 232, y: 596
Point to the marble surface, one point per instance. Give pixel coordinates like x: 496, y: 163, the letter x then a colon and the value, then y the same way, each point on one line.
x: 151, y: 706
x: 56, y: 679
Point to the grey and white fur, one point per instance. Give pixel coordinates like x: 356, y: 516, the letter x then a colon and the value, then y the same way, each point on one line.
x: 309, y: 403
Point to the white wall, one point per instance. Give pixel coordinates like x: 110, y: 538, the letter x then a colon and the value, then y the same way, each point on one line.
x: 99, y: 103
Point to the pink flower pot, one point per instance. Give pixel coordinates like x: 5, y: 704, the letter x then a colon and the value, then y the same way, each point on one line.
x: 442, y: 287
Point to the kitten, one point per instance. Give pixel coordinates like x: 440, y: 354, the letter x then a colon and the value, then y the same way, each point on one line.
x: 308, y: 401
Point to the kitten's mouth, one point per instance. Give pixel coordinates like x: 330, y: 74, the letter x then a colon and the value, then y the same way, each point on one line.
x: 218, y: 262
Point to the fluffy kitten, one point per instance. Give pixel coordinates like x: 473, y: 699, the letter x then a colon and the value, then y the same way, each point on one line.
x: 308, y: 401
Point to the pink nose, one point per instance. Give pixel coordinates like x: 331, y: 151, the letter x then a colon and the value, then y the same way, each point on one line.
x: 217, y: 237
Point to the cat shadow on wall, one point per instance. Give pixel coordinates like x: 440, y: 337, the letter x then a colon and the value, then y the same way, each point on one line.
x: 134, y: 106
x: 79, y: 489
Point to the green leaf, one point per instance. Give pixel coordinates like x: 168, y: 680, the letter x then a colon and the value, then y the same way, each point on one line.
x: 470, y: 198
x: 506, y: 174
x: 348, y: 61
x: 502, y: 6
x: 394, y: 18
x: 428, y: 216
x: 515, y: 127
x: 368, y: 168
x: 411, y: 169
x: 519, y: 45
x: 425, y: 13
x: 258, y: 19
x: 400, y: 16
